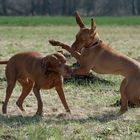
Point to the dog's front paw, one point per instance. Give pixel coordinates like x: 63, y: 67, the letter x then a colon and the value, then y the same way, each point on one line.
x: 4, y: 108
x: 122, y: 111
x: 55, y: 43
x: 39, y: 114
x: 68, y: 111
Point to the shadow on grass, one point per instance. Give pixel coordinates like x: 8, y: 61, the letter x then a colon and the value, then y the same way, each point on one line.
x: 102, y: 118
x: 86, y: 80
x: 2, y: 79
x: 18, y: 120
x: 118, y: 103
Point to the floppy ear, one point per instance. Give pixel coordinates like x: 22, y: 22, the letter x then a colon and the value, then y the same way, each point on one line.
x: 54, y: 61
x: 79, y: 20
x: 60, y: 57
x: 49, y: 62
x: 46, y: 62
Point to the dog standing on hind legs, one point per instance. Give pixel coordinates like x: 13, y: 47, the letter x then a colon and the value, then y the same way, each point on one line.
x: 34, y: 71
x: 95, y: 54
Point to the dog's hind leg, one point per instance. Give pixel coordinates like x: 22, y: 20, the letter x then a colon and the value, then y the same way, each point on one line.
x: 11, y: 81
x: 27, y: 85
x: 124, y: 100
x: 36, y: 91
x: 9, y: 89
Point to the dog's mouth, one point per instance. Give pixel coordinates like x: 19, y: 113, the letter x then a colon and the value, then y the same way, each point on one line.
x: 74, y: 46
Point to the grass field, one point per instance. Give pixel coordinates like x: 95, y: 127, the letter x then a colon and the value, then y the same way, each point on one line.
x: 62, y: 20
x: 92, y: 116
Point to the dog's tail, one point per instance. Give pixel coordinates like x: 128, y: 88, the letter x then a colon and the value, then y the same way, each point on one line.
x: 4, y: 62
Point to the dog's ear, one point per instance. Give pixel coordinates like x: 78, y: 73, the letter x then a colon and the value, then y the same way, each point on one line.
x: 60, y: 57
x: 93, y: 28
x: 93, y: 25
x: 49, y: 62
x: 46, y: 62
x: 79, y: 20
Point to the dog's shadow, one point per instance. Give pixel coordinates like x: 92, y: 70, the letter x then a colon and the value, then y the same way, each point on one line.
x: 102, y: 118
x: 85, y: 79
x: 18, y: 120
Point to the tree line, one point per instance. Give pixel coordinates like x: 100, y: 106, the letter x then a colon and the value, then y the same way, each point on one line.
x: 67, y: 7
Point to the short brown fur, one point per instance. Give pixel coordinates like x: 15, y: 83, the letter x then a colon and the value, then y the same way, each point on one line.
x: 34, y: 71
x: 92, y: 53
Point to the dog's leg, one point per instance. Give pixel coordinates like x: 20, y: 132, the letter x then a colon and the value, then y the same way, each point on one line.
x: 26, y: 88
x: 124, y: 100
x: 39, y: 100
x: 9, y: 89
x: 75, y: 54
x: 67, y: 48
x: 60, y: 92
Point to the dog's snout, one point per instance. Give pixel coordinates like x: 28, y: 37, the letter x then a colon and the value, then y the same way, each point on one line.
x: 73, y: 46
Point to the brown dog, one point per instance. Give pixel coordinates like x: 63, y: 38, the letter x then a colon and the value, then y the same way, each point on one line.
x: 98, y: 56
x: 32, y: 70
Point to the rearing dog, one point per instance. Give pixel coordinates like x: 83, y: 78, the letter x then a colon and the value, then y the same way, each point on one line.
x: 34, y: 71
x: 98, y: 56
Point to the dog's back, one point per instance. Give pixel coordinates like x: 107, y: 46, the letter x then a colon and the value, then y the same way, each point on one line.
x: 23, y: 64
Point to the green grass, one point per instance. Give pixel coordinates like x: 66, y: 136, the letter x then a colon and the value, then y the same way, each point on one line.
x: 91, y: 116
x: 70, y: 21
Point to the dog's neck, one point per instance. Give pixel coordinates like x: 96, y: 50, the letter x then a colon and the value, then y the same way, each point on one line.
x: 95, y: 42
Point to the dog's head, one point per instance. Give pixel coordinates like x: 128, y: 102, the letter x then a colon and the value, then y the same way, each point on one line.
x: 85, y: 37
x: 57, y: 63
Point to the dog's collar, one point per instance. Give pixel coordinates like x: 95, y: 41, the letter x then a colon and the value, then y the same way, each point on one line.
x: 94, y: 44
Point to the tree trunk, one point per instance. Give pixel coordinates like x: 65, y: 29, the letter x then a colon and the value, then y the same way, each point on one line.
x: 64, y: 7
x: 44, y: 7
x: 134, y: 8
x: 4, y: 7
x: 32, y: 7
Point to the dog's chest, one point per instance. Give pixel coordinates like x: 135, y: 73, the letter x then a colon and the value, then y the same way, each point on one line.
x: 46, y: 82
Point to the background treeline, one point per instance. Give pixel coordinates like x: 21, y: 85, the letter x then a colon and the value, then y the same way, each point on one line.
x: 67, y: 7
